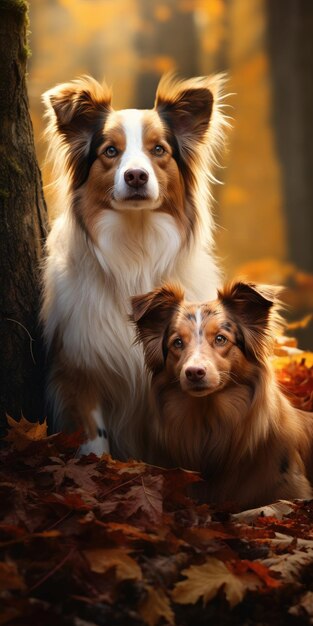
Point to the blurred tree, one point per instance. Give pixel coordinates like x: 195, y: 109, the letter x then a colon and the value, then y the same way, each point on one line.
x: 22, y: 227
x: 290, y: 44
x: 168, y: 40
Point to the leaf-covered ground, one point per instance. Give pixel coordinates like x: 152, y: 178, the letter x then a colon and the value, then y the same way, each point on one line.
x: 85, y: 541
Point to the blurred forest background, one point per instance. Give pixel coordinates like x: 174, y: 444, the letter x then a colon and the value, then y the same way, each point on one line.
x: 264, y: 209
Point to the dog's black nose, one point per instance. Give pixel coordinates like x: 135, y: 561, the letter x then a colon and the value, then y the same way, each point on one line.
x: 136, y: 178
x: 195, y: 373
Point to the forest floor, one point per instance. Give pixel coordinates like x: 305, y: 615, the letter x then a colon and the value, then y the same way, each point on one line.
x: 88, y: 541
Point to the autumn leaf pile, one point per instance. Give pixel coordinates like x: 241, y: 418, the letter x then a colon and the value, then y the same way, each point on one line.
x: 296, y: 379
x: 88, y: 542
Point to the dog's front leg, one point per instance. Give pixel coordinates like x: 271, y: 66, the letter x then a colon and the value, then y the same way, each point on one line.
x: 75, y: 402
x: 98, y: 442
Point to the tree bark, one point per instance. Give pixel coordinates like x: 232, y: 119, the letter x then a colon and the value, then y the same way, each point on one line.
x: 22, y: 227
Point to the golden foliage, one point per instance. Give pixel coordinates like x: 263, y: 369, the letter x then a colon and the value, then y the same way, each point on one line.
x: 125, y: 568
x: 205, y: 581
x: 155, y: 606
x: 22, y: 433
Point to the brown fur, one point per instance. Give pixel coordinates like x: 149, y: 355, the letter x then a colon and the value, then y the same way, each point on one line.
x: 110, y: 242
x: 234, y: 424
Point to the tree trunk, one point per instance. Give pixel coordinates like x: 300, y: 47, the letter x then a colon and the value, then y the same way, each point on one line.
x: 22, y: 227
x: 290, y: 44
x: 169, y: 37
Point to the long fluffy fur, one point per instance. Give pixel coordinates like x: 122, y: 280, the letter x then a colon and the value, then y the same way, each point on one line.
x: 250, y: 444
x: 96, y: 258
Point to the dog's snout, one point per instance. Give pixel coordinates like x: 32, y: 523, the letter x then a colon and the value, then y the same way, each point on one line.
x: 136, y: 177
x: 195, y: 373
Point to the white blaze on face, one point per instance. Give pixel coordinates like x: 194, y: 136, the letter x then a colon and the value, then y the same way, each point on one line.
x: 198, y: 325
x: 134, y: 157
x: 196, y: 357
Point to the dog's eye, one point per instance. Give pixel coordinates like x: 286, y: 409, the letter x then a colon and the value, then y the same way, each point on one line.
x: 220, y: 340
x: 158, y: 150
x: 111, y: 152
x: 178, y: 343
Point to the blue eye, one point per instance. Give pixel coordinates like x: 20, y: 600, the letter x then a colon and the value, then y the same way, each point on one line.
x: 111, y: 152
x: 178, y: 343
x: 220, y: 340
x: 158, y: 150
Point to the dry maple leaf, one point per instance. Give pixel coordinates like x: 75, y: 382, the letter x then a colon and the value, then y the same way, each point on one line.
x: 296, y: 379
x: 101, y: 560
x: 278, y: 510
x: 147, y: 497
x: 155, y: 606
x: 264, y: 574
x: 120, y: 467
x: 129, y: 531
x: 23, y: 433
x: 204, y: 581
x: 81, y: 474
x: 289, y: 565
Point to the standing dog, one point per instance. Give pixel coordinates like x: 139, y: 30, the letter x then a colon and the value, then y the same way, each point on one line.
x: 216, y: 404
x: 133, y: 191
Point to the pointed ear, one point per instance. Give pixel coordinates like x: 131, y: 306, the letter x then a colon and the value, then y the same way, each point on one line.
x: 152, y: 313
x: 255, y: 308
x: 82, y: 100
x: 185, y: 107
x: 76, y: 113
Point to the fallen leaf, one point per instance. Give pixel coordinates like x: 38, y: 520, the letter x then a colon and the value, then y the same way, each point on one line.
x: 21, y: 434
x: 276, y: 510
x: 130, y: 531
x: 167, y: 568
x: 204, y: 581
x: 204, y: 536
x: 81, y: 475
x: 101, y: 560
x: 295, y: 376
x: 146, y: 497
x: 72, y: 500
x: 263, y: 572
x: 289, y: 565
x: 156, y: 606
x: 120, y: 467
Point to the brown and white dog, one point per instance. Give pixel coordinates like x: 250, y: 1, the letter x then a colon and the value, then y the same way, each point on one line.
x: 217, y: 407
x: 134, y: 196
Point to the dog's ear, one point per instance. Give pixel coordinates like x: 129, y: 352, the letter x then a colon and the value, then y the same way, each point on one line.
x: 82, y: 101
x: 152, y: 313
x: 76, y: 113
x: 186, y: 108
x: 256, y: 311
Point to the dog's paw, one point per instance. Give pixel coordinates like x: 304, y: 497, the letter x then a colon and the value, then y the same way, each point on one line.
x: 98, y: 446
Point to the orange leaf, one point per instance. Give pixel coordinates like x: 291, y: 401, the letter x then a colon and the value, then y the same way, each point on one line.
x: 130, y: 531
x: 204, y: 536
x: 206, y: 580
x: 155, y: 606
x: 101, y: 560
x: 241, y: 567
x: 23, y: 433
